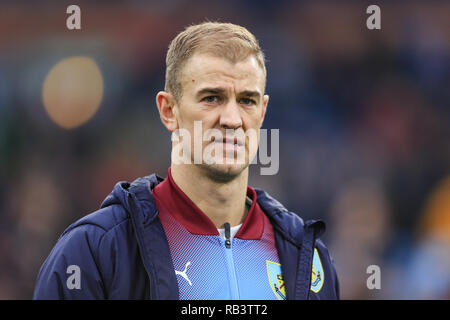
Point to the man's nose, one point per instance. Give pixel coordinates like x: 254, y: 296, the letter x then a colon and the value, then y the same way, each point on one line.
x: 230, y: 116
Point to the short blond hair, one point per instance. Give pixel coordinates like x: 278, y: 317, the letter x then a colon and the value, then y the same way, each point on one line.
x: 225, y: 40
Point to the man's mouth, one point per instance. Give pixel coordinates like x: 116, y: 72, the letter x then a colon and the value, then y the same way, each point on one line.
x: 230, y: 141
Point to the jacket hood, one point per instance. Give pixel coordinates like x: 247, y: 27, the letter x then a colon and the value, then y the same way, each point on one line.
x: 284, y: 221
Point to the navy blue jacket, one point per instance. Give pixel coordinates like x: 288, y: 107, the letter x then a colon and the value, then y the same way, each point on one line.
x: 122, y: 252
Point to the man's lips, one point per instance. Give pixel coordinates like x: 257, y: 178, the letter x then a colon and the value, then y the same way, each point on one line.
x: 231, y: 141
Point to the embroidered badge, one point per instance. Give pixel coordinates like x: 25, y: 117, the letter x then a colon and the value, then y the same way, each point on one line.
x: 276, y: 279
x: 317, y: 274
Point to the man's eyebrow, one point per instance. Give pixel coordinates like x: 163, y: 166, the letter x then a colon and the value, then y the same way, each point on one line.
x: 246, y: 93
x: 210, y: 91
x: 249, y: 93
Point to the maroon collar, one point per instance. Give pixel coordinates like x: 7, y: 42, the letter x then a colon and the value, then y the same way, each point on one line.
x: 187, y: 213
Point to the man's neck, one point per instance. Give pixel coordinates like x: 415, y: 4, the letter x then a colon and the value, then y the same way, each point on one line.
x: 220, y: 201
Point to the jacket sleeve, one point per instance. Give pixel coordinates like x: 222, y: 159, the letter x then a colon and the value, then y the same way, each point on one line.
x: 71, y: 271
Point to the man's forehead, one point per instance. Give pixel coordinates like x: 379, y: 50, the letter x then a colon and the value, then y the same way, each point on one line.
x: 206, y: 70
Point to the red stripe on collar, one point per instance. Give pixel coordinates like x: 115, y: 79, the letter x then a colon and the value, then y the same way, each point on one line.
x: 187, y: 213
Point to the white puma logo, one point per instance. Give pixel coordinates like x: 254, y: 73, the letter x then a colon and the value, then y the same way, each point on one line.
x: 183, y: 274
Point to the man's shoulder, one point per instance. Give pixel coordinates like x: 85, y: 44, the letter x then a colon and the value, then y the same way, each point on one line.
x: 92, y: 236
x: 290, y: 224
x: 288, y: 221
x: 101, y: 220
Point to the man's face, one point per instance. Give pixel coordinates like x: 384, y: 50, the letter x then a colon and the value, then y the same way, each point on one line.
x: 228, y: 97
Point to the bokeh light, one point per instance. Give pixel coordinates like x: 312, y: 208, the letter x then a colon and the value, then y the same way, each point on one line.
x: 72, y: 91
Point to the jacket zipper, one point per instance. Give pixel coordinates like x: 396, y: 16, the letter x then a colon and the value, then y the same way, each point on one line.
x: 139, y: 246
x: 230, y: 263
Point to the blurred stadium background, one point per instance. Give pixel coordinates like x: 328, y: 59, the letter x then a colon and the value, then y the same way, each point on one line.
x: 364, y: 119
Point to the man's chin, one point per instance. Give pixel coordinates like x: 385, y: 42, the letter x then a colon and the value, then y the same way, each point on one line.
x: 224, y: 172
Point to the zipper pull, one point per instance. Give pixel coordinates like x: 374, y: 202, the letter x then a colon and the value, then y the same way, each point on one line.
x: 227, y: 235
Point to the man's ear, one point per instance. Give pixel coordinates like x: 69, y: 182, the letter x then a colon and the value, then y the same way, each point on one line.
x: 166, y: 107
x: 264, y: 108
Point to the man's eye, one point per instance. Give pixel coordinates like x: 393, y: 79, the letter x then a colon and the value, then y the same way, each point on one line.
x: 211, y: 99
x: 248, y: 101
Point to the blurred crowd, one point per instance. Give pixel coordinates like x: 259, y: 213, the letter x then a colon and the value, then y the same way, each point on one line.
x: 364, y: 120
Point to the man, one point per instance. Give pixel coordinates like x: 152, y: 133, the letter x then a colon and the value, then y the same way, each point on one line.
x: 201, y: 233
